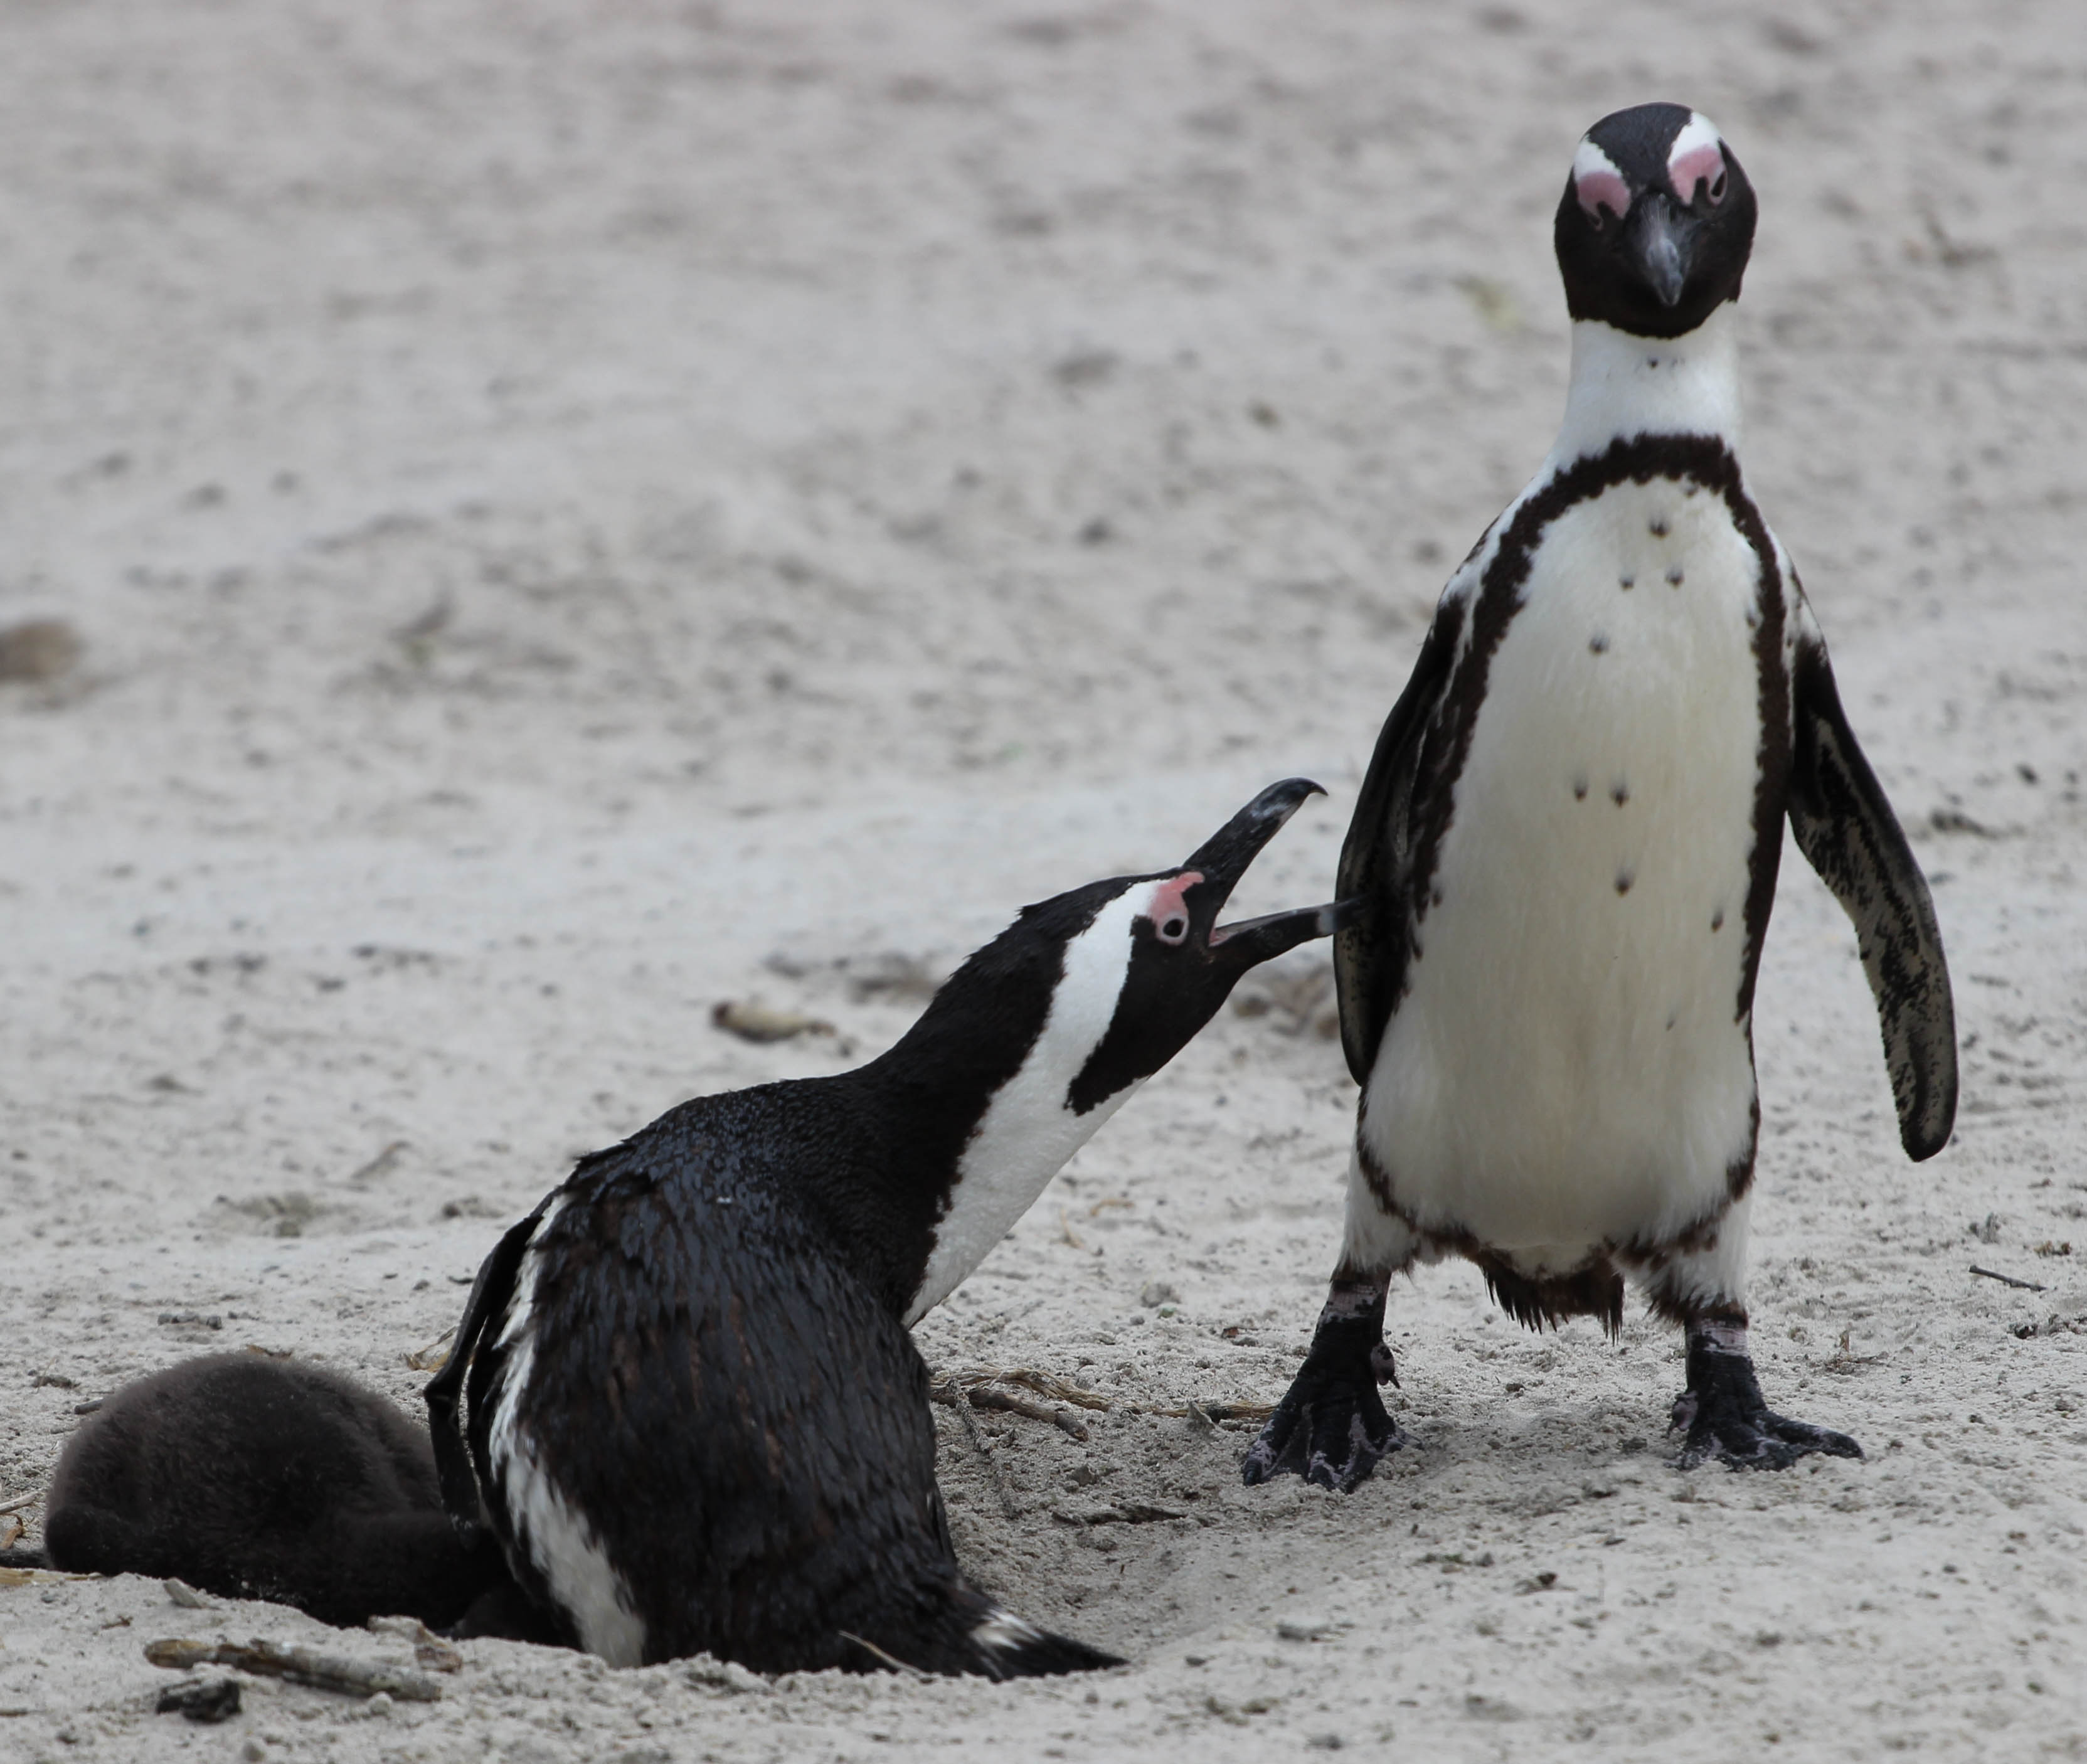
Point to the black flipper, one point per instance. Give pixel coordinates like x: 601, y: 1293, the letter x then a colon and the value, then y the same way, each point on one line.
x: 1848, y: 834
x: 1370, y: 948
x: 489, y: 1294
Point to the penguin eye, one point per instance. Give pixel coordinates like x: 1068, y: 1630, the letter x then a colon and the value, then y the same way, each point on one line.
x: 1717, y: 188
x: 1173, y: 928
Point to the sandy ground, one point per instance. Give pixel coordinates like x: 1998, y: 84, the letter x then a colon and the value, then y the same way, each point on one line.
x: 578, y: 513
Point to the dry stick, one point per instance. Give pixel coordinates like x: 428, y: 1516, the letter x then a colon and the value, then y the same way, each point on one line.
x: 892, y: 1660
x: 15, y: 1503
x: 299, y: 1666
x: 991, y: 1463
x: 945, y: 1386
x: 2008, y: 1279
x: 984, y: 1399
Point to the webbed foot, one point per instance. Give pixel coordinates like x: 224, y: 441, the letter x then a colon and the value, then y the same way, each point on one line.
x: 1724, y: 1416
x: 1332, y: 1427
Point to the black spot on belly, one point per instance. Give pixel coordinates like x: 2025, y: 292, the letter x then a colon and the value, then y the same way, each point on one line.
x: 1674, y: 577
x: 1657, y: 528
x: 1620, y: 793
x: 1717, y: 919
x: 1624, y: 879
x: 1580, y: 788
x: 1626, y: 583
x: 1599, y: 643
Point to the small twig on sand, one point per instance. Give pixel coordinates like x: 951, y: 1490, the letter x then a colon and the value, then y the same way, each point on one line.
x: 1044, y: 1384
x: 991, y: 1463
x: 892, y: 1660
x: 299, y: 1666
x: 976, y: 1384
x: 983, y: 1397
x: 432, y: 1357
x: 2007, y: 1279
x: 1066, y: 1225
x: 379, y: 1165
x: 15, y: 1503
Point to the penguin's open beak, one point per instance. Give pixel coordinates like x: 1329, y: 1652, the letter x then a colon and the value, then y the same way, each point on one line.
x: 1223, y: 859
x: 1660, y: 239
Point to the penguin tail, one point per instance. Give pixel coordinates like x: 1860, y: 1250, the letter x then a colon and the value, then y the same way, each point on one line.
x: 1009, y: 1647
x: 966, y: 1633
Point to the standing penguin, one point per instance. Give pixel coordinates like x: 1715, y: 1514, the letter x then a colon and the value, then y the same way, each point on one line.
x: 697, y: 1422
x: 1565, y: 854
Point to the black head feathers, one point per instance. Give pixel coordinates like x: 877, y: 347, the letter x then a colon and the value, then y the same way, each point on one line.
x: 1656, y: 224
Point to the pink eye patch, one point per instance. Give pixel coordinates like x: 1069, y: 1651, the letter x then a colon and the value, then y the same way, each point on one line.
x: 1169, y: 910
x: 1598, y: 188
x: 1698, y: 165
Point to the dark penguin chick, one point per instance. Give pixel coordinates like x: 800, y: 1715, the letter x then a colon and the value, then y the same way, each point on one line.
x: 696, y: 1420
x: 265, y: 1479
x: 1565, y: 850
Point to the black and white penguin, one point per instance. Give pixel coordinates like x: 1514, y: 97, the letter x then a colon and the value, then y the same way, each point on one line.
x: 254, y: 1478
x: 1565, y: 850
x: 697, y: 1422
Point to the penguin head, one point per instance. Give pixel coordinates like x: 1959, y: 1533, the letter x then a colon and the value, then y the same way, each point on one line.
x: 1154, y: 947
x: 1093, y: 990
x: 1654, y: 228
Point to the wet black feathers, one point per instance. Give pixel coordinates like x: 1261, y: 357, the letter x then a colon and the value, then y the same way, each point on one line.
x: 690, y: 1318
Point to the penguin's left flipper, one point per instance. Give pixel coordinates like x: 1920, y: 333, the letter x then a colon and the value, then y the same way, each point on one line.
x: 1848, y: 834
x: 1726, y: 1418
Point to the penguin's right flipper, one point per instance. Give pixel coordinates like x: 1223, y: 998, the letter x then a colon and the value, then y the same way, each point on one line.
x: 1370, y: 949
x: 489, y: 1294
x: 1846, y: 830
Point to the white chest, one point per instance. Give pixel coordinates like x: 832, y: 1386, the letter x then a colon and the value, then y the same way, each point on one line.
x: 1568, y: 1064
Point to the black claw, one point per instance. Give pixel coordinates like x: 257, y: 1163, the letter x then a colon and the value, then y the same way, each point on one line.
x: 1332, y: 1427
x: 1726, y: 1417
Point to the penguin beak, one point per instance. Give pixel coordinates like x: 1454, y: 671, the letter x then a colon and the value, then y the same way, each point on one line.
x: 1659, y: 239
x: 1223, y: 859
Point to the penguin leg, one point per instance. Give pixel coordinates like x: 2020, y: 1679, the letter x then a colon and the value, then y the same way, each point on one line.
x: 1332, y: 1427
x: 1722, y: 1414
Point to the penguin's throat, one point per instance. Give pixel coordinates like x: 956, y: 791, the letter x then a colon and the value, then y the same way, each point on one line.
x: 1030, y: 1125
x: 1623, y: 386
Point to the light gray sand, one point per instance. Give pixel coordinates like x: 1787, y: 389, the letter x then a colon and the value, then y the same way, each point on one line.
x: 565, y: 506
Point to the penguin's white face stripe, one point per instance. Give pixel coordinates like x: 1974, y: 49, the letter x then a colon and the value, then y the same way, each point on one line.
x: 1598, y: 184
x: 1697, y: 156
x: 1029, y: 1129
